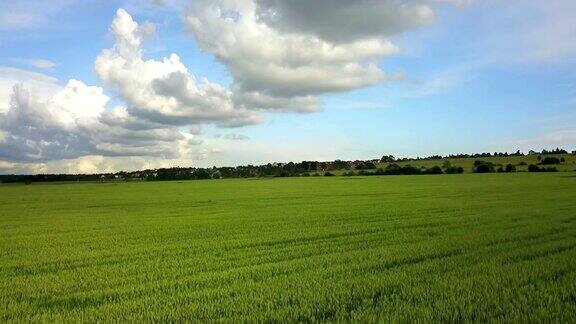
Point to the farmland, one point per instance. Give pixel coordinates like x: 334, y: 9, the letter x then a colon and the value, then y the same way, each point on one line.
x: 484, y: 247
x: 520, y: 162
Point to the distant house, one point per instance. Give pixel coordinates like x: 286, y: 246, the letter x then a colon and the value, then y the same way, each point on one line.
x: 531, y: 152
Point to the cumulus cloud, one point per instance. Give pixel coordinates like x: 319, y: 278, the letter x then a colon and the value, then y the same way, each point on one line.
x: 164, y: 91
x: 101, y: 164
x: 39, y: 83
x: 343, y: 20
x: 281, y: 58
x: 42, y: 122
x: 7, y: 167
x: 75, y: 122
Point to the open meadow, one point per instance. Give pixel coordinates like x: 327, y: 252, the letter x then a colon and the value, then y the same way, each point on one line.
x: 483, y: 247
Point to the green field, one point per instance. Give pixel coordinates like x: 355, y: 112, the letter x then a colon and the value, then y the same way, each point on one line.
x: 483, y: 247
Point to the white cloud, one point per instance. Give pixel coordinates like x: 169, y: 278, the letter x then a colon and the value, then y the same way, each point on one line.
x: 101, y: 164
x: 279, y: 60
x: 43, y: 123
x: 7, y: 167
x: 75, y: 122
x: 523, y: 31
x: 164, y: 91
x: 42, y: 64
x: 39, y: 83
x: 505, y: 34
x: 564, y: 138
x: 37, y: 63
x: 343, y: 20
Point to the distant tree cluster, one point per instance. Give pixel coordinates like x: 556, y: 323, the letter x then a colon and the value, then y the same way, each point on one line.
x: 460, y: 156
x: 535, y: 168
x: 483, y: 167
x: 449, y: 169
x: 552, y: 160
x: 387, y: 159
x: 555, y: 151
x: 508, y: 168
x: 396, y: 169
x: 304, y: 168
x: 489, y: 167
x: 390, y: 158
x: 364, y: 165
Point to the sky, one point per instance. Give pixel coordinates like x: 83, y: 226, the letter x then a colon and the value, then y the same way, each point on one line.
x: 101, y: 86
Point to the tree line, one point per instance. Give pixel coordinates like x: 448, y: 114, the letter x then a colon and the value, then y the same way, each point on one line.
x: 305, y: 168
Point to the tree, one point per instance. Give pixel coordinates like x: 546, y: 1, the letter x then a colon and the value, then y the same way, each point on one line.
x: 408, y: 169
x: 387, y: 159
x: 483, y: 167
x: 510, y: 168
x: 454, y: 170
x: 535, y: 168
x: 369, y: 165
x: 550, y: 160
x: 201, y: 174
x: 341, y: 165
x: 434, y: 170
x: 393, y: 169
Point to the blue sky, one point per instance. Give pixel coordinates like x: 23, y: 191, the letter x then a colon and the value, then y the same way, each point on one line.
x: 478, y: 76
